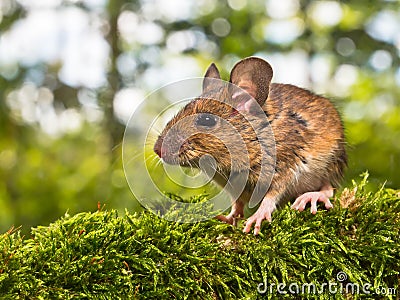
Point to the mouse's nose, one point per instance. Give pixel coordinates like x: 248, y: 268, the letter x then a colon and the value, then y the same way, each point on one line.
x: 167, y: 151
x: 157, y: 146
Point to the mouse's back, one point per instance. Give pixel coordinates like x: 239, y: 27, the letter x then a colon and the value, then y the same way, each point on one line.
x: 308, y: 132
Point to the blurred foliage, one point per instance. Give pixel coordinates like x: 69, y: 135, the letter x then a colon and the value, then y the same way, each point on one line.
x: 42, y: 176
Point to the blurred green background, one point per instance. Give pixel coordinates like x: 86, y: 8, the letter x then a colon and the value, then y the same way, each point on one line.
x: 72, y: 70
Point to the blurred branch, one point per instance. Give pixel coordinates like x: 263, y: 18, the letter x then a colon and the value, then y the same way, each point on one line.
x: 114, y: 128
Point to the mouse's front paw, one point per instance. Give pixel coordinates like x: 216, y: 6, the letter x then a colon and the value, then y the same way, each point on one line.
x: 232, y: 218
x: 226, y: 219
x: 235, y: 214
x: 264, y: 212
x: 257, y: 218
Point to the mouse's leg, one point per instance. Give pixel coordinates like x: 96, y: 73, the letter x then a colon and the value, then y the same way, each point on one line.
x: 313, y: 198
x: 264, y: 212
x: 236, y: 213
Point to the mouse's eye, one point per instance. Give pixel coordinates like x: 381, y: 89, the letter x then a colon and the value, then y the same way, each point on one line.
x: 206, y: 120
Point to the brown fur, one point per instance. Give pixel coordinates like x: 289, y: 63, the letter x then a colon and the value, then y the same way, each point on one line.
x: 309, y: 138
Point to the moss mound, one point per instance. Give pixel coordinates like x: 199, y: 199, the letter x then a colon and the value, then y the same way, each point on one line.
x: 141, y: 256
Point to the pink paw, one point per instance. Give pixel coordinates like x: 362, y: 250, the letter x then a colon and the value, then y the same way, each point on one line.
x: 264, y: 212
x: 313, y: 198
x: 235, y: 214
x: 227, y: 219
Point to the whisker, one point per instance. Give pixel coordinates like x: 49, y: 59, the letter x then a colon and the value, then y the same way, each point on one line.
x: 153, y: 160
x: 134, y: 157
x: 158, y: 162
x: 151, y: 138
x: 153, y: 133
x: 158, y: 132
x: 190, y: 165
x: 225, y: 177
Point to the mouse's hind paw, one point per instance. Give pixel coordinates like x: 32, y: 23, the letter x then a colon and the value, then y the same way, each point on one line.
x: 313, y: 198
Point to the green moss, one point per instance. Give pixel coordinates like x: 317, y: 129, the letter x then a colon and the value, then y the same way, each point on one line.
x: 141, y: 256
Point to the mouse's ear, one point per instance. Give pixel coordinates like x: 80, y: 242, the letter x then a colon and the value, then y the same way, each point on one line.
x: 253, y: 75
x: 209, y: 78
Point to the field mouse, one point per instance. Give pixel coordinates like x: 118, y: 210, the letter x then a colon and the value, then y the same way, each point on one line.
x: 308, y: 135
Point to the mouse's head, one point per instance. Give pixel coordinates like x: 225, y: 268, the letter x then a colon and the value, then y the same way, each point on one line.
x: 217, y: 122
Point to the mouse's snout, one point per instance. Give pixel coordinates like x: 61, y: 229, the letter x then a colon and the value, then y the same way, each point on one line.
x: 168, y: 151
x: 157, y: 147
